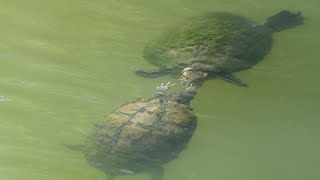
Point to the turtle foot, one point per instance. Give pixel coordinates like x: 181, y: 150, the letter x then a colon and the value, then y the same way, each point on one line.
x: 232, y: 79
x: 190, y: 88
x: 162, y: 89
x: 149, y: 74
x: 188, y: 95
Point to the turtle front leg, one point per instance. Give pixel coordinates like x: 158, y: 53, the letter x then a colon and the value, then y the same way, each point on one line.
x: 232, y: 79
x: 188, y: 94
x: 162, y: 89
x: 150, y: 73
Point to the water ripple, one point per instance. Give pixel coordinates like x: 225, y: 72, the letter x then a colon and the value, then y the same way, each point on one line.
x: 4, y: 99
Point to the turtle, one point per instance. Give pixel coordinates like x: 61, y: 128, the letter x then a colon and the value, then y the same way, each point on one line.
x: 214, y: 44
x: 143, y: 135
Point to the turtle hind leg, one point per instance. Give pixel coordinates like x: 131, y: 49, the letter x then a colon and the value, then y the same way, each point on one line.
x: 150, y: 73
x: 232, y: 79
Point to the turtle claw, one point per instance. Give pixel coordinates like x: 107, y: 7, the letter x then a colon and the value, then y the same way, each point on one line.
x: 190, y: 88
x: 149, y: 73
x: 140, y: 72
x: 188, y: 95
x: 162, y: 89
x: 136, y: 69
x: 166, y: 87
x: 170, y: 85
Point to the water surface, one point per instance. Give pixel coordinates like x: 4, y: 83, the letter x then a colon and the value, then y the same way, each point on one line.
x: 65, y: 64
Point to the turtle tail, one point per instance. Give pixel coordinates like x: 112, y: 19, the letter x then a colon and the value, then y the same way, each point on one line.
x: 284, y: 20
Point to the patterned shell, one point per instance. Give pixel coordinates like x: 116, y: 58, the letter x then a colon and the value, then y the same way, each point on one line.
x: 141, y: 134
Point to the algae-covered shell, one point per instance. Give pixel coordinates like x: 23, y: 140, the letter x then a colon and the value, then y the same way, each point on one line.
x: 226, y: 41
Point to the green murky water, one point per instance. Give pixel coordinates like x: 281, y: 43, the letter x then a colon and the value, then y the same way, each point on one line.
x: 65, y: 64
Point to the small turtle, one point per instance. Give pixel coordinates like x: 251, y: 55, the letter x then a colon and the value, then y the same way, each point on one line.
x: 214, y: 44
x: 143, y: 135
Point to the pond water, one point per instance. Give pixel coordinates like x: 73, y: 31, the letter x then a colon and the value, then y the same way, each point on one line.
x: 64, y: 65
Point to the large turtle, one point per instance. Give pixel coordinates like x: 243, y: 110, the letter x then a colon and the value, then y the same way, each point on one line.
x: 143, y: 135
x: 214, y: 44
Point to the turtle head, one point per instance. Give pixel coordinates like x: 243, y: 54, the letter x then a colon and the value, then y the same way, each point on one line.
x: 192, y: 76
